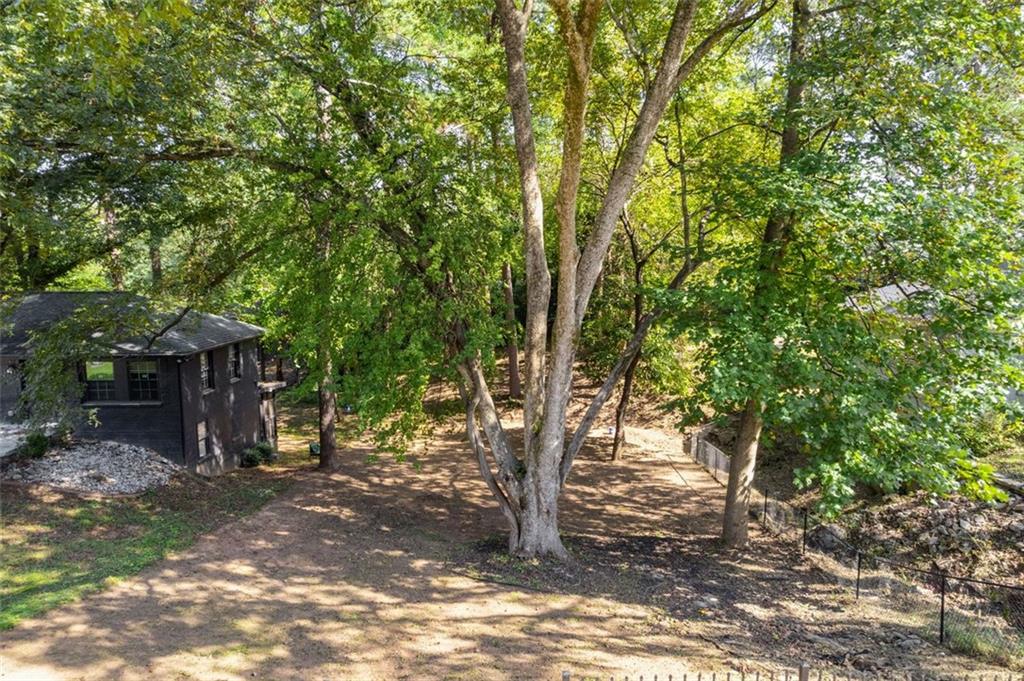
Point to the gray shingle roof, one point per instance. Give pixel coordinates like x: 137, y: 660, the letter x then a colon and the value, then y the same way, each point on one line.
x: 194, y: 332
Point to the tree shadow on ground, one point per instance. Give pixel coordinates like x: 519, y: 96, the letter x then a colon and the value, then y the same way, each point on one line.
x: 387, y: 569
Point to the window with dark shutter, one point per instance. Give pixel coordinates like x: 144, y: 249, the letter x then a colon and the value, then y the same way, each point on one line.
x: 143, y: 380
x: 99, y: 381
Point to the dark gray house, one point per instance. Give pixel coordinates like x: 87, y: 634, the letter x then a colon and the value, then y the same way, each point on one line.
x: 191, y: 390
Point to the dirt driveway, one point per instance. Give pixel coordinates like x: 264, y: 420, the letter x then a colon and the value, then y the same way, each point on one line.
x: 375, y: 573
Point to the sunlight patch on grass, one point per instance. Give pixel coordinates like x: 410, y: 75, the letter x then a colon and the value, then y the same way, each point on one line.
x: 1001, y: 645
x: 57, y: 548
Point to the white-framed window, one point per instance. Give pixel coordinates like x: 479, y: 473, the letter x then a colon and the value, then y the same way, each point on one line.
x: 143, y: 380
x: 203, y: 435
x: 206, y: 379
x: 99, y: 381
x: 235, y: 360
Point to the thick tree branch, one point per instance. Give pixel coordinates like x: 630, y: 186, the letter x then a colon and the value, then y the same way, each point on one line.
x: 636, y: 342
x: 538, y: 277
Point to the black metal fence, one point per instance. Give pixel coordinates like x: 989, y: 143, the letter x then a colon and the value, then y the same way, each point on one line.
x: 804, y: 672
x: 973, y: 616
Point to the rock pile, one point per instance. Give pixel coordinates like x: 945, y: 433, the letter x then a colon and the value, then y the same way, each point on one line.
x: 96, y: 467
x: 958, y: 535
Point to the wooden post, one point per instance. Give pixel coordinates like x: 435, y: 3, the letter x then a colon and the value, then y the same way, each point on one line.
x: 764, y: 518
x: 805, y: 672
x: 565, y: 676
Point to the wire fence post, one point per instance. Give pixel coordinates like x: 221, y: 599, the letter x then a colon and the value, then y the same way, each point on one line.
x: 764, y: 516
x: 942, y: 609
x: 803, y: 544
x: 858, y: 576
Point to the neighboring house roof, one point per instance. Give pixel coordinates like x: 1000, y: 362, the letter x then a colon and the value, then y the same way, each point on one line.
x: 193, y: 332
x: 884, y: 298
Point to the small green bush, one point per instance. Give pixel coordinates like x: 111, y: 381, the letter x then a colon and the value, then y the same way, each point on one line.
x: 260, y: 453
x: 266, y: 452
x: 36, y: 444
x: 249, y: 459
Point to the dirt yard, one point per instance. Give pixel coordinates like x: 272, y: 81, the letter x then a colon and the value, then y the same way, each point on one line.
x: 389, y: 570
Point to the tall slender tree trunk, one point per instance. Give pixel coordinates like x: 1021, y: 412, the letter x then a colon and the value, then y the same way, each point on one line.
x: 515, y: 388
x: 638, y: 311
x: 776, y: 234
x: 623, y: 406
x: 115, y: 259
x: 156, y: 267
x: 327, y: 397
x: 328, y: 413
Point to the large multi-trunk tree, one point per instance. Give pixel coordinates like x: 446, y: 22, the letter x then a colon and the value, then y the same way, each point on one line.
x: 528, y: 484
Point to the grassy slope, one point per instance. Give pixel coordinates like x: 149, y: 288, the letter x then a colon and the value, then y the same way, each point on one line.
x: 1009, y: 462
x: 55, y: 548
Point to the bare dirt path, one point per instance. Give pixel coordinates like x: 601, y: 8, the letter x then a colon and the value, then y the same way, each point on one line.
x: 389, y: 570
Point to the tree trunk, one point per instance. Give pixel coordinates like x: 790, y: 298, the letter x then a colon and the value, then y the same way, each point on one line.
x: 639, y: 262
x: 538, y: 533
x: 620, y: 409
x: 538, y: 276
x: 326, y: 395
x: 776, y: 235
x: 115, y: 259
x: 156, y: 268
x: 741, y: 477
x: 515, y: 390
x: 546, y: 461
x: 328, y: 412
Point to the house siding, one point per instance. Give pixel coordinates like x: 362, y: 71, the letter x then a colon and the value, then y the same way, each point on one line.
x: 231, y: 410
x: 157, y: 426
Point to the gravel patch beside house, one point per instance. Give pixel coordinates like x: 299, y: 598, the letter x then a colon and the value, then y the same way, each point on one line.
x: 11, y: 436
x: 96, y: 467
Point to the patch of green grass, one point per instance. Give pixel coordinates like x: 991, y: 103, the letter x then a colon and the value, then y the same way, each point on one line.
x: 297, y: 396
x: 998, y: 441
x: 1009, y: 462
x: 55, y: 548
x: 1003, y: 646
